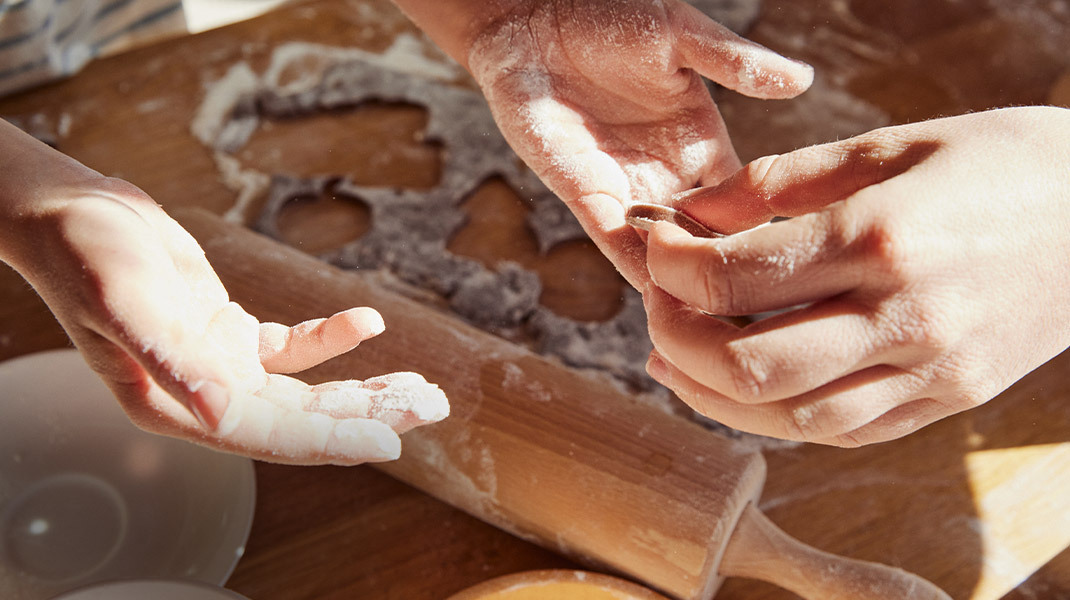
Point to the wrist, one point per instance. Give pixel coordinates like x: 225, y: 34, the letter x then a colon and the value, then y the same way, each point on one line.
x: 35, y: 182
x: 455, y: 25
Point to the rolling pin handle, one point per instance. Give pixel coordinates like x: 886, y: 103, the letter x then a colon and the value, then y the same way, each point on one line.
x: 758, y: 549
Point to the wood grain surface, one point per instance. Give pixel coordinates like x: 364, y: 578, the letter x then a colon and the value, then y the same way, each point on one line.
x: 976, y: 503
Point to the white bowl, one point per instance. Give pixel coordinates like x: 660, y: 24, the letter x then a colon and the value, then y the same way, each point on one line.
x: 151, y: 590
x: 87, y: 497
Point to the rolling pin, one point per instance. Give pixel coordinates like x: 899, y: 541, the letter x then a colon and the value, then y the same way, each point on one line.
x: 558, y: 457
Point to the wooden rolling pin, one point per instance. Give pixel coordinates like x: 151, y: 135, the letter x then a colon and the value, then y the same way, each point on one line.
x: 554, y: 456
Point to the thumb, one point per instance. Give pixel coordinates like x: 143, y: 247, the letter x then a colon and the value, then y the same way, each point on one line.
x: 802, y: 181
x: 734, y: 62
x: 190, y: 360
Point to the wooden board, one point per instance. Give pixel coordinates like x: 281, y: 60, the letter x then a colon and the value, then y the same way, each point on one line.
x: 972, y: 503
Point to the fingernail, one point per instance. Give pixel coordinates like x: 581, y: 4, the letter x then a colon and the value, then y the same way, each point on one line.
x: 657, y: 368
x: 686, y: 195
x: 667, y: 231
x: 209, y: 403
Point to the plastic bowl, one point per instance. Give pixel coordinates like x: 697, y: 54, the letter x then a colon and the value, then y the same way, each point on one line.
x: 85, y: 496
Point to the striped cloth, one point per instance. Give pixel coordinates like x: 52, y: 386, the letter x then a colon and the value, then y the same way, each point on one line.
x: 41, y: 40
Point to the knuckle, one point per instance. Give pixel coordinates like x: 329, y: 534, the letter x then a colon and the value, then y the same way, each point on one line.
x: 928, y: 327
x: 801, y: 424
x: 885, y: 250
x: 762, y: 169
x: 714, y: 284
x: 765, y: 175
x: 749, y: 376
x: 969, y: 383
x: 835, y: 231
x: 846, y: 440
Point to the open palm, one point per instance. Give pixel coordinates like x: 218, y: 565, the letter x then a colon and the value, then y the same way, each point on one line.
x: 139, y: 299
x: 605, y: 101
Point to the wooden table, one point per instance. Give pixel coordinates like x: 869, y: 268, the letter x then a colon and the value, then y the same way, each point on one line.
x: 971, y: 503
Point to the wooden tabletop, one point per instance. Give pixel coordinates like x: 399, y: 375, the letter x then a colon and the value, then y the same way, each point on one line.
x: 977, y: 503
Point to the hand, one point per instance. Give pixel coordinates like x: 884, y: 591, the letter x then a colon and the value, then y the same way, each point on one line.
x: 605, y: 102
x: 137, y: 296
x: 930, y: 261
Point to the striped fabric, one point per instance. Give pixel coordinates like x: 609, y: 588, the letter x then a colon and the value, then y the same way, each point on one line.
x: 41, y: 40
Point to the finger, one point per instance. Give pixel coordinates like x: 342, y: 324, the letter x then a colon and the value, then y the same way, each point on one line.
x: 403, y: 401
x: 257, y: 427
x: 780, y: 357
x: 739, y: 64
x: 820, y: 416
x: 805, y: 180
x: 603, y: 218
x: 290, y: 422
x: 291, y: 349
x: 777, y: 358
x: 777, y: 266
x: 894, y: 424
x: 339, y: 422
x: 263, y: 430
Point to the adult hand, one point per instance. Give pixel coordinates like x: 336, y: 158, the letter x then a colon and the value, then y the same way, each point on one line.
x: 605, y: 101
x: 140, y: 301
x: 929, y: 261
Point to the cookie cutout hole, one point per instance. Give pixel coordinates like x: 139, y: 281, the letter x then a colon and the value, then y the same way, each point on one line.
x: 496, y: 229
x: 578, y: 282
x: 384, y: 145
x: 318, y: 224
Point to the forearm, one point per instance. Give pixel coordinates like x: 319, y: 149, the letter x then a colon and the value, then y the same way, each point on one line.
x: 455, y: 24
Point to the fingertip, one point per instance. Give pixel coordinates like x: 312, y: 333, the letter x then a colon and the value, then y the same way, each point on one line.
x: 434, y: 408
x: 366, y: 320
x: 804, y: 74
x: 763, y: 73
x: 786, y: 78
x: 662, y: 246
x: 357, y: 441
x: 405, y: 401
x: 657, y: 368
x: 664, y: 234
x: 736, y: 62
